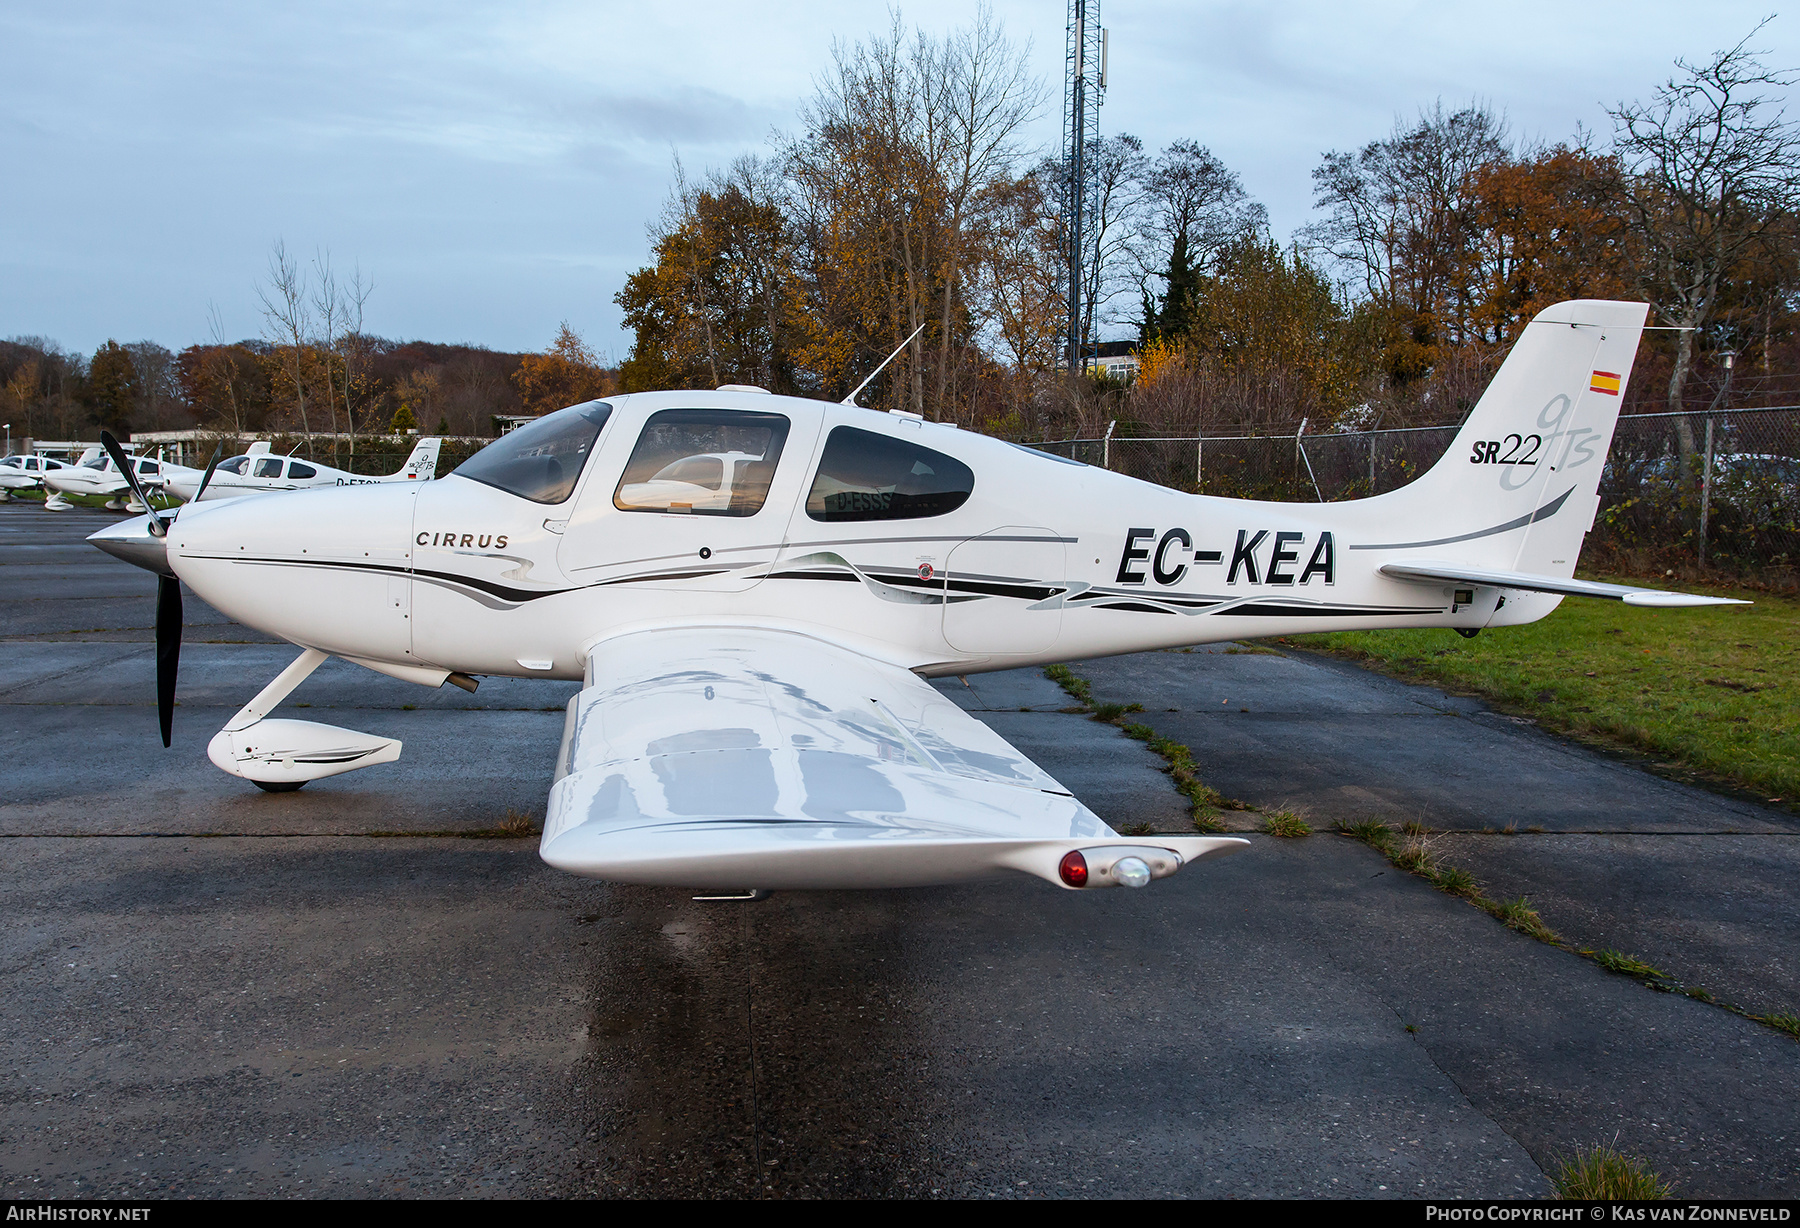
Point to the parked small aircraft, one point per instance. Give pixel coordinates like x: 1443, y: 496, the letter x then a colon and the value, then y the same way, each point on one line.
x: 24, y: 471
x: 104, y: 474
x: 258, y: 472
x: 754, y: 651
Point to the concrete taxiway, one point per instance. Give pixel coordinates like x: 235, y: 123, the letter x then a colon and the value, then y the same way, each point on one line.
x: 210, y: 991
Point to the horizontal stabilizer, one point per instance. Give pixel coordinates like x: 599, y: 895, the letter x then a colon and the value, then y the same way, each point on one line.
x: 1426, y: 572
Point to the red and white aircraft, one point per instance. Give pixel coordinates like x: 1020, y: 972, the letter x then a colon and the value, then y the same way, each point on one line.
x: 755, y: 588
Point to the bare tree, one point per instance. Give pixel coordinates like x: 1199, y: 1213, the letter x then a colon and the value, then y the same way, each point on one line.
x: 1121, y: 171
x: 1192, y: 208
x: 1399, y: 215
x: 286, y: 321
x: 329, y: 306
x: 1713, y: 182
x: 356, y: 345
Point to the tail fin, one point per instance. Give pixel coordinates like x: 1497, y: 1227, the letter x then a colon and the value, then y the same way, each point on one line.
x: 422, y: 464
x: 1519, y: 487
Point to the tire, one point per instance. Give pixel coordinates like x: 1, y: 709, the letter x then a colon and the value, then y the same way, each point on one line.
x: 278, y: 786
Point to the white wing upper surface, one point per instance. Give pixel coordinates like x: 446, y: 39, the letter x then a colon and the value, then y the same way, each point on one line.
x: 744, y: 757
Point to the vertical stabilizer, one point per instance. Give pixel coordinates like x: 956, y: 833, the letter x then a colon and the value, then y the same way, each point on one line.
x: 421, y: 466
x: 1519, y: 487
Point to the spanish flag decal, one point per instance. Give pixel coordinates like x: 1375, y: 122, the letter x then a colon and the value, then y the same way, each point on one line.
x: 1604, y: 381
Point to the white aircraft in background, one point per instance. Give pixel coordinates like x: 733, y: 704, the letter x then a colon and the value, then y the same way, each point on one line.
x: 24, y: 471
x: 755, y: 711
x: 257, y: 472
x: 99, y: 473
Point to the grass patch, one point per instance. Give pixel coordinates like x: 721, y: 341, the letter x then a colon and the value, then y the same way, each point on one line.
x: 1626, y: 965
x: 1713, y: 690
x: 1286, y: 824
x: 1110, y: 713
x: 1251, y: 648
x: 1606, y: 1174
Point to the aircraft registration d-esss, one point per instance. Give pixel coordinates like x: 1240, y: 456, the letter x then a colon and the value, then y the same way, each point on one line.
x: 754, y: 590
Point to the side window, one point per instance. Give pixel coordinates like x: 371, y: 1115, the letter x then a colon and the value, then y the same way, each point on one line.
x: 865, y: 476
x: 268, y: 467
x: 299, y: 469
x: 708, y: 462
x: 236, y: 464
x: 149, y: 467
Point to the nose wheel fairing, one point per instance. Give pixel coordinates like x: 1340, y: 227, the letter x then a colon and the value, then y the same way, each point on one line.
x: 286, y: 754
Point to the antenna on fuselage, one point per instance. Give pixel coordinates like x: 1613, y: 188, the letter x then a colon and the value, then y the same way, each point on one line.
x: 851, y: 399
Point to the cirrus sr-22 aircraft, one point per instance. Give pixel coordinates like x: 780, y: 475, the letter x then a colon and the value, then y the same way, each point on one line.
x: 258, y: 472
x: 753, y: 590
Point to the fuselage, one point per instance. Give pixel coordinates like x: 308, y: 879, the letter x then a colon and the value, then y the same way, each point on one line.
x: 26, y: 471
x: 910, y: 541
x: 98, y: 475
x: 268, y: 474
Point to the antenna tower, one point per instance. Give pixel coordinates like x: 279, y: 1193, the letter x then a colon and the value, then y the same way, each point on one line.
x: 1084, y: 88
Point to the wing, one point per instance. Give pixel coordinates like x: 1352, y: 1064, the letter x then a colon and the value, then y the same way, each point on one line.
x: 735, y: 757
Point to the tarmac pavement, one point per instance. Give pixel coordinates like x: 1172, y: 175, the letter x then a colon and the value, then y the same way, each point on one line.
x: 267, y: 997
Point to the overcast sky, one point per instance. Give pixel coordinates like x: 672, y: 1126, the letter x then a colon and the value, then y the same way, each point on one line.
x: 492, y: 165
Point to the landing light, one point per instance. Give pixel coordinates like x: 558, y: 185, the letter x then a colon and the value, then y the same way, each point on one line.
x: 1130, y: 871
x: 1074, y: 869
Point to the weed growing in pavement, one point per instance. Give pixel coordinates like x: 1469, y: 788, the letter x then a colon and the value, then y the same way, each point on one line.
x: 1605, y: 1174
x: 516, y: 825
x: 1204, y: 802
x: 1455, y: 881
x: 1519, y: 915
x: 1626, y: 965
x: 1781, y: 1023
x: 1069, y: 681
x: 1285, y: 823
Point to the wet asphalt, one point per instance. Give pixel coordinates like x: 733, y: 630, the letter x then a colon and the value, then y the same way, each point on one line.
x: 211, y: 991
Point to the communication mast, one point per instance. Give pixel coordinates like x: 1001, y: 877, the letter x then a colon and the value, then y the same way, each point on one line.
x: 1084, y: 88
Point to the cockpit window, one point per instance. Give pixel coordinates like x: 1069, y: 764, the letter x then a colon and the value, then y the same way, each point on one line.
x: 236, y: 464
x: 704, y: 462
x: 541, y: 460
x: 268, y: 467
x: 865, y: 476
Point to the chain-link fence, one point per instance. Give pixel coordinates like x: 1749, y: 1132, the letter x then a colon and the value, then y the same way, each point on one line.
x: 1715, y: 492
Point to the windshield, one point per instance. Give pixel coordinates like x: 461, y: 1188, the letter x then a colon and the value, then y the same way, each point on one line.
x: 541, y: 460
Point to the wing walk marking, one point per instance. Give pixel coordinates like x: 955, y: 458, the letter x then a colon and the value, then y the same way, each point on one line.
x: 1543, y: 513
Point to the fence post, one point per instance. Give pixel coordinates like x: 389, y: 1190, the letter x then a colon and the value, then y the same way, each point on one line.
x: 1372, y: 438
x: 1706, y: 488
x: 1106, y: 445
x: 1199, y: 462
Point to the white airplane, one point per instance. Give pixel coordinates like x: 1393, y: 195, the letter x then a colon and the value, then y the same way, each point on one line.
x: 257, y: 472
x: 24, y: 471
x: 99, y: 473
x: 755, y: 711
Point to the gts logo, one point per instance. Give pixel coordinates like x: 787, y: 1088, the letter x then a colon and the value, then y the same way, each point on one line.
x: 1169, y: 559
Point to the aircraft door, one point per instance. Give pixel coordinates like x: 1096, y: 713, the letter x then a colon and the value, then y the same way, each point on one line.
x: 701, y: 502
x: 1001, y: 590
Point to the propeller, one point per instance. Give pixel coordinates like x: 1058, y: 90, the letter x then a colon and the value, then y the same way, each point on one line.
x: 168, y: 589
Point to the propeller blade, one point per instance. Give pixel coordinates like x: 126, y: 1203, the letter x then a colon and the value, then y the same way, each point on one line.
x: 168, y: 649
x: 211, y: 465
x: 130, y: 471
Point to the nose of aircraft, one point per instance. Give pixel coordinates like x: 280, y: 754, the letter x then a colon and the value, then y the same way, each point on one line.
x: 133, y: 541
